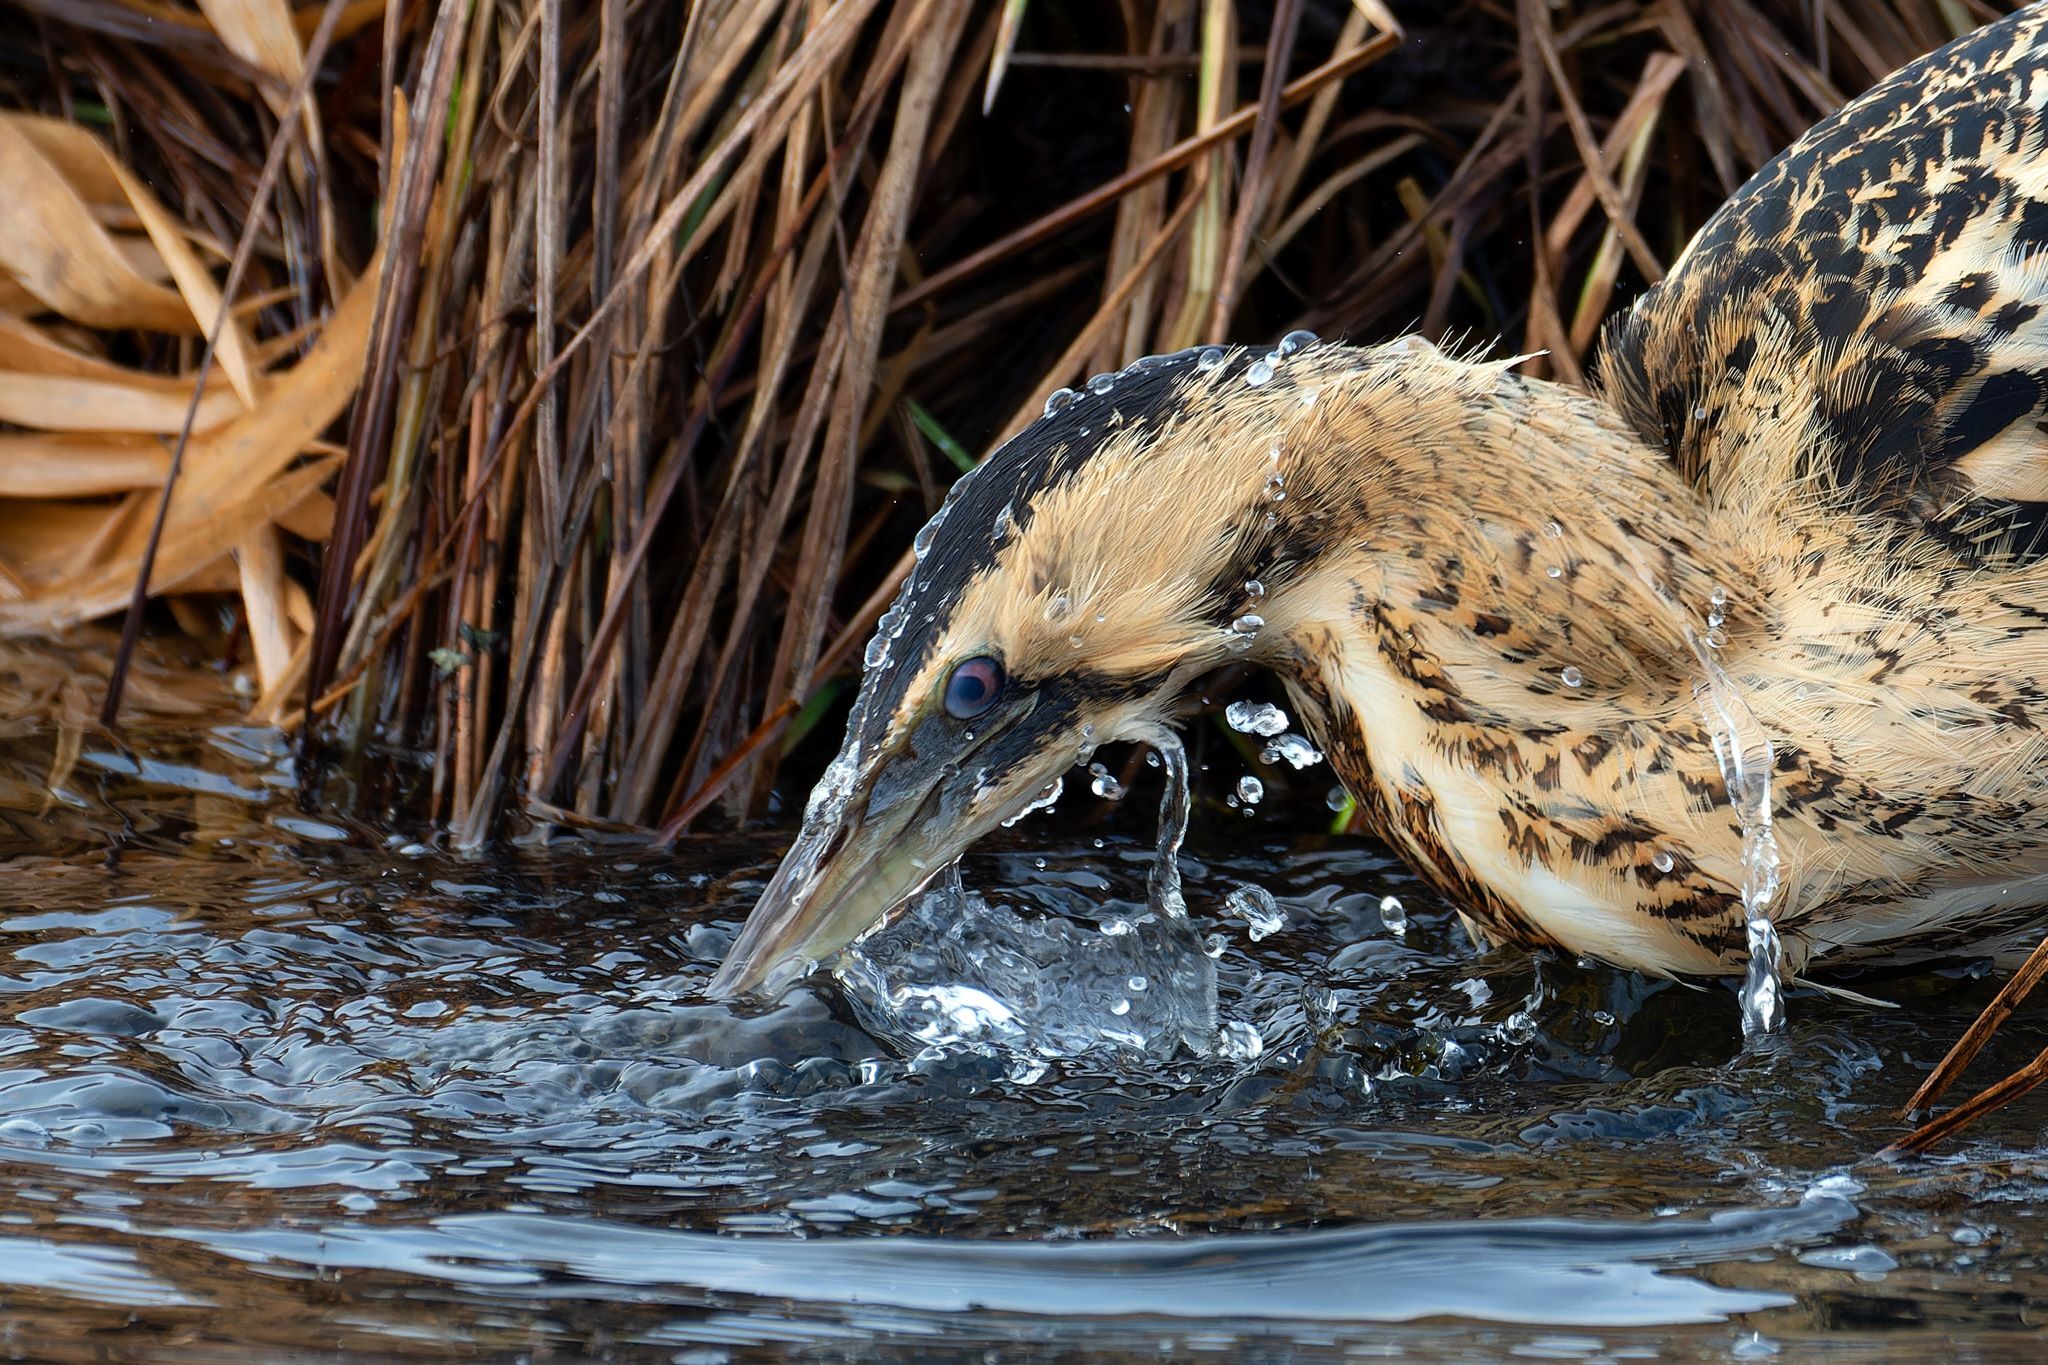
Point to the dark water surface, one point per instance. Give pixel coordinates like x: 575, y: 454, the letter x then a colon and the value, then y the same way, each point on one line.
x: 274, y: 1088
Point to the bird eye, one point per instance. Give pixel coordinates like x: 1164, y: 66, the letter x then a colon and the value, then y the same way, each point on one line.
x: 973, y: 688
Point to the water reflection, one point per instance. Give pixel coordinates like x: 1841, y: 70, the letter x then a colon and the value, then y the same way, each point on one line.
x: 481, y: 1104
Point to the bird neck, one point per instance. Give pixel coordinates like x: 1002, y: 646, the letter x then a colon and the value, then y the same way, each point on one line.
x: 1497, y: 654
x: 1507, y: 542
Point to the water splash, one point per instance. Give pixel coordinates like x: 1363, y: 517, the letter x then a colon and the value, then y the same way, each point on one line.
x: 1746, y: 757
x: 959, y: 970
x: 1259, y: 910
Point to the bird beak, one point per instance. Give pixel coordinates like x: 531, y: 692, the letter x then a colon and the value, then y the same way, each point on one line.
x: 864, y: 851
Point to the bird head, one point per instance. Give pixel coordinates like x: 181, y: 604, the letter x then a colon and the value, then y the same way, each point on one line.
x: 1142, y: 533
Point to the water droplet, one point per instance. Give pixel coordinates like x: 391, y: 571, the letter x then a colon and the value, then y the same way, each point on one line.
x: 1254, y: 588
x: 1296, y: 751
x: 1006, y: 522
x: 1120, y: 1008
x: 1518, y: 1029
x: 1075, y: 641
x: 1255, y: 905
x: 1044, y: 800
x: 1271, y: 520
x: 1259, y: 373
x: 1248, y: 625
x: 1718, y: 598
x: 1553, y: 530
x: 1276, y: 488
x: 1699, y: 413
x: 1255, y: 718
x: 1250, y: 790
x: 1101, y: 383
x: 1393, y: 915
x: 1337, y: 798
x: 877, y: 652
x: 1104, y: 784
x: 1209, y: 358
x: 1571, y: 675
x: 1295, y: 341
x: 1716, y: 638
x: 1058, y: 400
x: 1308, y: 398
x: 1663, y: 862
x: 1059, y: 608
x: 921, y: 545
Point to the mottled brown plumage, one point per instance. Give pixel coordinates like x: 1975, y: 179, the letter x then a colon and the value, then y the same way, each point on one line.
x: 1817, y: 459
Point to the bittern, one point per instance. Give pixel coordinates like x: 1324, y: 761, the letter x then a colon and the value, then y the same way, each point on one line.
x: 1804, y: 514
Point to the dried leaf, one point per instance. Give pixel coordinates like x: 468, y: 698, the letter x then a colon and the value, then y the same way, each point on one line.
x: 56, y: 403
x: 53, y: 247
x: 66, y: 465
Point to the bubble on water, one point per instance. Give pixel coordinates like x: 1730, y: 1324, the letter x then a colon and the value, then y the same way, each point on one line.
x: 1250, y: 790
x: 1254, y: 588
x: 1337, y: 798
x: 1259, y: 373
x: 1572, y: 676
x: 1209, y: 358
x: 1258, y: 909
x: 1058, y: 401
x: 1753, y: 1345
x: 1260, y: 718
x: 1101, y: 383
x: 1294, y: 750
x: 1295, y: 341
x: 1663, y: 862
x: 1393, y: 915
x: 1518, y: 1029
x: 1103, y: 783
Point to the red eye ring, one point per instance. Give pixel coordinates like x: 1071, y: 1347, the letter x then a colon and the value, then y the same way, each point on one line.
x: 973, y: 687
